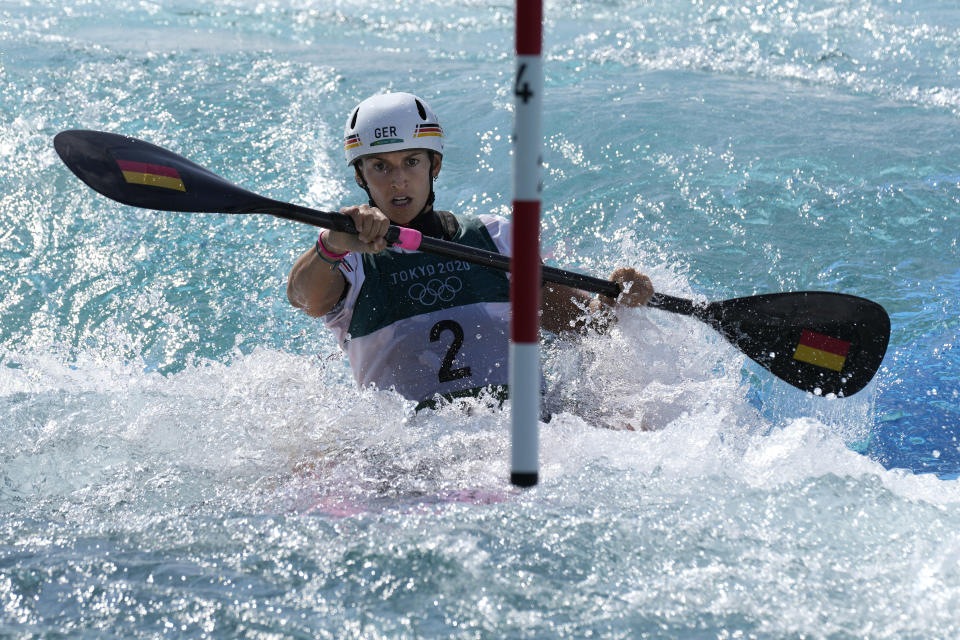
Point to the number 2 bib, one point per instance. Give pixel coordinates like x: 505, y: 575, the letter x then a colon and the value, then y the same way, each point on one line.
x: 424, y: 324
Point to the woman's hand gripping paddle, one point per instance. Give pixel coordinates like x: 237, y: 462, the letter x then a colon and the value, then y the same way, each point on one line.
x: 824, y: 343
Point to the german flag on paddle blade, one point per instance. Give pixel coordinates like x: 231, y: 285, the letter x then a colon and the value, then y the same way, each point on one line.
x: 822, y: 351
x: 151, y: 175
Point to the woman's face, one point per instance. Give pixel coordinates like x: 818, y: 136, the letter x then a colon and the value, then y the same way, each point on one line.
x: 399, y: 182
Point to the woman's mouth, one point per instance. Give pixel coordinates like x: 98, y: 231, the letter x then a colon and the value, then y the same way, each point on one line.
x: 400, y: 202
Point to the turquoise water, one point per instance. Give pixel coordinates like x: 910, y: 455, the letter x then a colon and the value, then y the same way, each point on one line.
x: 183, y: 455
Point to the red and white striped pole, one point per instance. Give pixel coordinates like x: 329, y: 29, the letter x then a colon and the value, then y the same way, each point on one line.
x: 525, y: 260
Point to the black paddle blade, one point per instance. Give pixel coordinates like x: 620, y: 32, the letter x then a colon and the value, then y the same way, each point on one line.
x: 817, y: 341
x: 144, y: 175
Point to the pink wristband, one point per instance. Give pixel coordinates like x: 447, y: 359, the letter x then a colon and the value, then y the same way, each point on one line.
x: 326, y: 252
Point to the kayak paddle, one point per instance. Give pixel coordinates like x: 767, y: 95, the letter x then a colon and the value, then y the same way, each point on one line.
x: 820, y: 342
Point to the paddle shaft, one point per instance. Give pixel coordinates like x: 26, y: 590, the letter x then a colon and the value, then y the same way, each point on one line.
x: 473, y: 255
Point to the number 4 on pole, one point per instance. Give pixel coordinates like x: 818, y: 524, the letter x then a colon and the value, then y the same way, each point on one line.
x: 522, y: 91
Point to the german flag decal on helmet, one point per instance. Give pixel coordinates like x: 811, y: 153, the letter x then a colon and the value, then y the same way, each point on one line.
x: 428, y: 130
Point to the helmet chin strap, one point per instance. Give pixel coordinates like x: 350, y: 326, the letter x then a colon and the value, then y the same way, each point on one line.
x: 426, y: 205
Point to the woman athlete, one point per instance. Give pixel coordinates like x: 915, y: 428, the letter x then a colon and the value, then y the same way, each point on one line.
x: 421, y: 324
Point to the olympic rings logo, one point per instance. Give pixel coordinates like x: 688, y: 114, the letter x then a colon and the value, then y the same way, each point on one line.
x: 435, y: 291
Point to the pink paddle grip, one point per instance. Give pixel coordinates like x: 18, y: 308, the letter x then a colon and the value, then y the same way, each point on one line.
x: 409, y: 239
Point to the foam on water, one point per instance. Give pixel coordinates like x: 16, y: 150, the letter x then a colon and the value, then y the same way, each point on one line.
x: 269, y: 492
x: 271, y: 415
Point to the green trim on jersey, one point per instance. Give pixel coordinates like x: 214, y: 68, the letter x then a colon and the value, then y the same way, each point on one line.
x: 400, y: 285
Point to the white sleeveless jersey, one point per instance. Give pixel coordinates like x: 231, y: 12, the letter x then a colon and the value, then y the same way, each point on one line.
x: 423, y: 324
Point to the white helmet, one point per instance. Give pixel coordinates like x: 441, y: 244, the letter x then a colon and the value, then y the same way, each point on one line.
x: 391, y: 122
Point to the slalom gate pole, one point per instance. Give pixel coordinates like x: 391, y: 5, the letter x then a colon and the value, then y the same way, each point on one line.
x: 525, y: 259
